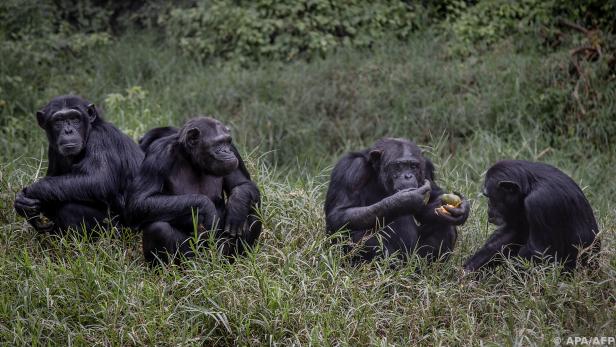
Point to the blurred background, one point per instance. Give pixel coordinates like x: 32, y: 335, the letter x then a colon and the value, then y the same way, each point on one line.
x: 301, y: 80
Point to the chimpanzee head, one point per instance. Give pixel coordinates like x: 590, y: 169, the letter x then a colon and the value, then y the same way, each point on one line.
x: 506, y: 185
x: 67, y: 121
x: 207, y: 142
x: 399, y: 164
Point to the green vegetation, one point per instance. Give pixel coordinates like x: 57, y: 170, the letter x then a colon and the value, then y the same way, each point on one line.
x: 514, y: 96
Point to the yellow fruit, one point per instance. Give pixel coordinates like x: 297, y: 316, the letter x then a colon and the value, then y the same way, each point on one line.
x: 451, y: 199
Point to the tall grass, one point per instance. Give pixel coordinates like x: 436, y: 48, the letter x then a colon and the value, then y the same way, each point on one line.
x: 292, y: 122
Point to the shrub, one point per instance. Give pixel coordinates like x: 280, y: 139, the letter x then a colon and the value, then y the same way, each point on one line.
x: 487, y: 22
x: 284, y: 30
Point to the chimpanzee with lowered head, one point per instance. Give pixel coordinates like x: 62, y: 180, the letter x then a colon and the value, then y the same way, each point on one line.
x: 378, y: 194
x: 90, y: 164
x: 193, y: 180
x: 541, y: 214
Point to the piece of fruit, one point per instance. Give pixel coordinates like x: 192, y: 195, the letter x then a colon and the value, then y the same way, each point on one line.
x: 426, y: 198
x: 449, y: 200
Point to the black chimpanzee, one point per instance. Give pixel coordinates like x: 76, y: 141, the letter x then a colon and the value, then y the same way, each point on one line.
x: 191, y: 172
x: 378, y: 194
x: 540, y: 213
x: 91, y: 163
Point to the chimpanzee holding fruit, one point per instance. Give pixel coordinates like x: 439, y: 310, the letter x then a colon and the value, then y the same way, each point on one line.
x: 541, y: 214
x: 387, y: 198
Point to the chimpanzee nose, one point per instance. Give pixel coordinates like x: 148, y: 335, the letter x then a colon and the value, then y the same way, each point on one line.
x: 68, y: 131
x: 408, y: 176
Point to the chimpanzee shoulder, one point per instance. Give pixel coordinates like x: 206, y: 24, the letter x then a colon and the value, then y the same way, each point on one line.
x: 157, y: 133
x: 353, y: 170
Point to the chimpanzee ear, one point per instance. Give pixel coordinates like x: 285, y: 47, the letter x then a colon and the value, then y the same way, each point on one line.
x: 192, y: 136
x: 375, y: 156
x: 40, y: 118
x: 509, y: 186
x: 92, y: 113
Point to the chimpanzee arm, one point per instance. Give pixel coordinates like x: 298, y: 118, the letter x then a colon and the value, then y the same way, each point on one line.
x: 243, y: 195
x: 345, y: 198
x: 147, y: 203
x: 93, y: 180
x: 504, y: 239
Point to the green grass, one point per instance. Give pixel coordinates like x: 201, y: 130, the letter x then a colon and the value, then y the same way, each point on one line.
x: 292, y: 121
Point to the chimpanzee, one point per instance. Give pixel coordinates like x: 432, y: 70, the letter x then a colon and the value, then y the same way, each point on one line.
x: 90, y: 164
x: 191, y: 179
x: 378, y: 194
x: 541, y: 213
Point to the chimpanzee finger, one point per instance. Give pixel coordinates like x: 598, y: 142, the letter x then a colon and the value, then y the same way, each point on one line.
x: 233, y: 231
x: 228, y: 230
x: 24, y: 200
x: 26, y: 204
x: 451, y: 218
x: 443, y: 218
x: 457, y: 211
x: 460, y: 214
x: 425, y: 188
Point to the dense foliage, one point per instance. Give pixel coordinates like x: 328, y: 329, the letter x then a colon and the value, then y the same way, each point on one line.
x: 288, y: 29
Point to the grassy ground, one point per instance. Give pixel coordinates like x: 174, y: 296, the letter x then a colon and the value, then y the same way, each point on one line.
x: 292, y: 122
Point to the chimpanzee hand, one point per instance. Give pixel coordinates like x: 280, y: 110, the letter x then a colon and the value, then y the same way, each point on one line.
x: 26, y: 206
x: 456, y: 216
x: 409, y: 201
x: 238, y: 230
x: 208, y: 215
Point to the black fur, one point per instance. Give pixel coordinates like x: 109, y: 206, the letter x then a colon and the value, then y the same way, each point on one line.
x: 88, y: 185
x: 146, y: 140
x: 541, y: 214
x: 171, y: 187
x: 360, y: 200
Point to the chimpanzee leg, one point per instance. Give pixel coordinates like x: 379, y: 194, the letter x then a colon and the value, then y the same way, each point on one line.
x: 74, y: 216
x: 365, y: 246
x: 436, y: 241
x: 399, y: 236
x: 160, y: 239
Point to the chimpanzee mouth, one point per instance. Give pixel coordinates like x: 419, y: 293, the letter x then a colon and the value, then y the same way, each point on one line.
x: 405, y: 187
x: 224, y: 167
x: 70, y: 148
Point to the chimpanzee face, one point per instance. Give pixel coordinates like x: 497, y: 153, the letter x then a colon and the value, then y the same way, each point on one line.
x: 208, y: 143
x: 400, y: 164
x: 67, y: 125
x: 505, y: 201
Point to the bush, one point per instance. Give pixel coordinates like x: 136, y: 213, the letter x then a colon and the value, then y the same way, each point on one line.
x: 487, y: 22
x: 284, y: 30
